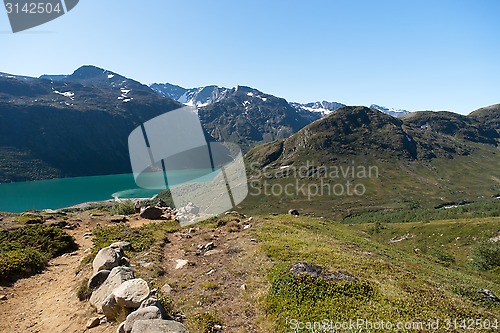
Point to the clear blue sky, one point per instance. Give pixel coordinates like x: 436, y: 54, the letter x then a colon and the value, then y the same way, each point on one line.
x: 416, y: 55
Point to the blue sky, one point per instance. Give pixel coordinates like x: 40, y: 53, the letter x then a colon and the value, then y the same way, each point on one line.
x: 439, y: 55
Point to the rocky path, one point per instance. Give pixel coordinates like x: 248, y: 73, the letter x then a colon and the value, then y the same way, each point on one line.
x: 47, y: 302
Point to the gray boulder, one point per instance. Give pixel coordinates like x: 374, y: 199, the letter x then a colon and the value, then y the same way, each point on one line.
x: 151, y: 213
x: 149, y: 312
x: 98, y: 278
x: 116, y: 277
x: 131, y: 293
x: 158, y: 326
x: 106, y: 259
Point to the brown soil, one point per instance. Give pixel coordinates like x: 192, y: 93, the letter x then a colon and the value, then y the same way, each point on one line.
x: 47, y: 302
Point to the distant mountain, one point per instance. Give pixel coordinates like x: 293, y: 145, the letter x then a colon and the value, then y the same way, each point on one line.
x: 58, y: 77
x: 77, y: 126
x: 390, y: 111
x: 324, y: 108
x: 248, y: 116
x: 194, y: 96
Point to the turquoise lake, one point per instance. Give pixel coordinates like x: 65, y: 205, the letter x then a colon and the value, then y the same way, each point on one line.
x: 65, y: 192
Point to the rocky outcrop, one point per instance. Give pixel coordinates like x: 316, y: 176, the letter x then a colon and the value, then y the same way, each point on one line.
x: 118, y: 291
x: 116, y: 277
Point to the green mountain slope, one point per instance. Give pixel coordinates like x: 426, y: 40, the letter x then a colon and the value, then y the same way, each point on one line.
x: 422, y: 160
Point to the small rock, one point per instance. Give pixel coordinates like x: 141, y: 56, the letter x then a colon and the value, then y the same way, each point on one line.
x: 98, y: 278
x: 87, y: 234
x: 181, y: 263
x: 490, y: 295
x: 166, y: 289
x: 149, y: 312
x: 93, y: 322
x: 153, y: 301
x: 211, y: 252
x: 151, y: 213
x: 209, y: 246
x: 247, y: 226
x: 131, y: 293
x: 158, y: 326
x: 253, y: 240
x: 109, y: 307
x: 294, y: 212
x: 243, y: 287
x: 125, y: 246
x: 3, y: 297
x: 106, y: 259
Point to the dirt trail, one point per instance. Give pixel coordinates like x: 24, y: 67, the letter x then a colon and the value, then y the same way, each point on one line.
x: 47, y: 302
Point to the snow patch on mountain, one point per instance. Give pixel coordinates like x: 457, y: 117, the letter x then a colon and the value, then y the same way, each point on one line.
x: 390, y: 111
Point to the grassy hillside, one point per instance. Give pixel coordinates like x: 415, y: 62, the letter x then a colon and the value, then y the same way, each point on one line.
x: 358, y: 159
x: 395, y: 282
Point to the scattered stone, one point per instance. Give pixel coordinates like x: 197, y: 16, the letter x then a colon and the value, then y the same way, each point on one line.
x: 181, y: 263
x: 106, y: 259
x: 151, y: 213
x: 116, y: 277
x: 98, y: 278
x: 131, y: 293
x: 210, y: 272
x: 316, y: 271
x: 294, y: 212
x: 3, y: 297
x: 253, y: 240
x: 166, y: 289
x: 217, y: 327
x: 247, y: 226
x: 93, y: 322
x: 209, y: 246
x: 87, y: 234
x: 125, y: 246
x: 211, y: 252
x: 158, y: 326
x: 243, y: 287
x: 149, y: 312
x: 489, y: 294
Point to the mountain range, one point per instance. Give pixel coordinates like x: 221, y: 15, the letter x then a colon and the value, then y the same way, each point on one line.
x: 78, y: 124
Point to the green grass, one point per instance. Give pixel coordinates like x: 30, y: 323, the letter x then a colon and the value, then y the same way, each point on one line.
x: 489, y: 208
x: 125, y: 207
x: 395, y: 283
x: 28, y: 249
